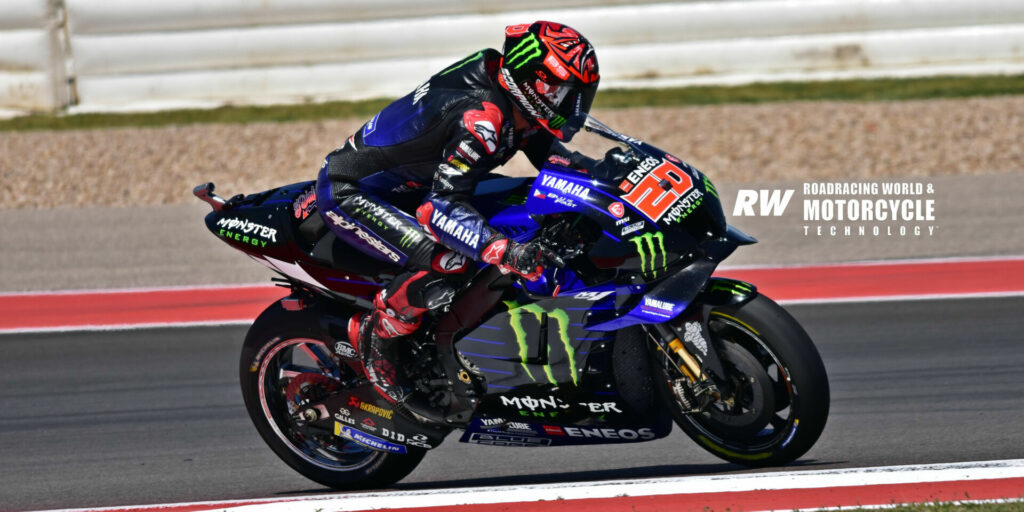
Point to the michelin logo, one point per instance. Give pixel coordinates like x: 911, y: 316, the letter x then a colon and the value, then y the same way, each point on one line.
x: 366, y: 439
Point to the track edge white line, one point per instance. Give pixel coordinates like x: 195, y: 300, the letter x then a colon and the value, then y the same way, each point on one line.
x: 812, y: 479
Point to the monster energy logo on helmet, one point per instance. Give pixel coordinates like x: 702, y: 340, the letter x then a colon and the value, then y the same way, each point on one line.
x: 644, y: 245
x: 525, y: 51
x: 557, y: 122
x: 561, y: 318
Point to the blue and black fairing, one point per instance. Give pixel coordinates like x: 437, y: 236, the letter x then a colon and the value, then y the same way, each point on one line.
x: 259, y: 223
x: 501, y: 200
x: 543, y: 370
x: 659, y: 267
x: 273, y: 228
x: 496, y: 431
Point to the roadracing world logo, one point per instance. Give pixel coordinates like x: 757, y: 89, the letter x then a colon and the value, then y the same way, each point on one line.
x: 874, y: 209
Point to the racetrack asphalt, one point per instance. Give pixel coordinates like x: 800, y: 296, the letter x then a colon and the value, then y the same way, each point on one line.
x: 146, y: 416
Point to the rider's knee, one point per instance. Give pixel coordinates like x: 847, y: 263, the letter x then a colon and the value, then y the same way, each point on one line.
x: 387, y: 324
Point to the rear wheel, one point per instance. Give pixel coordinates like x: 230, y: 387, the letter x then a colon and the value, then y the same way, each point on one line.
x: 285, y: 361
x: 779, y: 401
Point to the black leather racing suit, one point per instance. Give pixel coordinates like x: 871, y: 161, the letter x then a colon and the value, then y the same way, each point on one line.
x: 426, y: 152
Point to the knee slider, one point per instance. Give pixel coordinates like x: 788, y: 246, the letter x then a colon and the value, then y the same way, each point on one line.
x: 388, y: 325
x: 354, y: 325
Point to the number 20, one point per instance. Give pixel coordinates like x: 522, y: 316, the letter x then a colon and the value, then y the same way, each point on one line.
x: 659, y: 190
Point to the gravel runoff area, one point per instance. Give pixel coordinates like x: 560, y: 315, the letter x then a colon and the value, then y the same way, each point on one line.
x: 736, y: 143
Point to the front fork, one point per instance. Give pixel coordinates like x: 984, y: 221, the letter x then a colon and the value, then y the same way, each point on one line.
x: 692, y: 381
x: 690, y: 355
x: 689, y: 365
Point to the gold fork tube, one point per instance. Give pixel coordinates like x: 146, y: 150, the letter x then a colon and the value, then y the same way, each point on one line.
x: 690, y: 366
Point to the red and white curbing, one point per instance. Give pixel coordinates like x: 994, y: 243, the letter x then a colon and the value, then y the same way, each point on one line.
x: 887, y: 280
x: 208, y: 305
x: 791, y: 490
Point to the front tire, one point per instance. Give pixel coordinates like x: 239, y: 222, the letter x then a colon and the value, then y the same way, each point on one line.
x: 781, y: 402
x: 285, y: 359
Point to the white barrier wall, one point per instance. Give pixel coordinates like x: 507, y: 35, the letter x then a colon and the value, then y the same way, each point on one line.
x: 129, y: 55
x: 27, y: 80
x: 111, y: 16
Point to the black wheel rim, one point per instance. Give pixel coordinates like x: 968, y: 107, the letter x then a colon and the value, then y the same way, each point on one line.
x: 311, y: 361
x: 779, y: 425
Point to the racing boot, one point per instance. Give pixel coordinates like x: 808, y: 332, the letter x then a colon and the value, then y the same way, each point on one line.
x: 380, y: 359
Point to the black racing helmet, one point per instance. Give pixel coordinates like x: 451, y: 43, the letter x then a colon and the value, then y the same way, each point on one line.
x: 550, y: 72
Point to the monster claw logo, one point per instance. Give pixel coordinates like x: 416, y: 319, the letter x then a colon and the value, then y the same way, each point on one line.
x: 459, y: 64
x: 409, y: 238
x: 525, y: 51
x: 645, y: 243
x: 710, y: 187
x: 733, y: 287
x: 515, y: 312
x: 557, y: 122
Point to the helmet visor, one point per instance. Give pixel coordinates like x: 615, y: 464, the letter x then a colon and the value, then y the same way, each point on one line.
x: 571, y: 112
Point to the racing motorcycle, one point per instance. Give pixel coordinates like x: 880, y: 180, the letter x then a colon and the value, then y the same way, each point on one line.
x: 629, y: 335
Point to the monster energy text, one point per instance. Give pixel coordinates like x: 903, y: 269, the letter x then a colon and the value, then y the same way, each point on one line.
x: 528, y: 402
x: 246, y: 231
x: 645, y: 245
x: 375, y: 213
x: 685, y: 206
x: 536, y: 101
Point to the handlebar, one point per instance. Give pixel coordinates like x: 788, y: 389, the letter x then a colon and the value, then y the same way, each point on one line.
x: 551, y: 256
x: 205, y: 192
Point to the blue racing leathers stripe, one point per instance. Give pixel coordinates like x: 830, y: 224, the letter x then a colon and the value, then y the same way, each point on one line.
x: 455, y: 224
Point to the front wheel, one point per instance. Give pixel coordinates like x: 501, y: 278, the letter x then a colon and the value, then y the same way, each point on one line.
x: 779, y: 398
x: 286, y: 360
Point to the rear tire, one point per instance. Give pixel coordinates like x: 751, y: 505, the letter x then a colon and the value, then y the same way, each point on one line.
x: 783, y: 406
x: 282, y: 346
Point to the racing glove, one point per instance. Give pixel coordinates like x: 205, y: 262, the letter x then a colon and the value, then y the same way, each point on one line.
x: 510, y: 256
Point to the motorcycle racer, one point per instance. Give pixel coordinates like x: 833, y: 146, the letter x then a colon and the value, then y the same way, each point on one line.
x: 426, y: 151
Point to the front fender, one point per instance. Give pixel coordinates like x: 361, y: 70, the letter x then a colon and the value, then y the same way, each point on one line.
x: 722, y: 291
